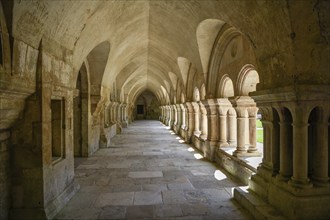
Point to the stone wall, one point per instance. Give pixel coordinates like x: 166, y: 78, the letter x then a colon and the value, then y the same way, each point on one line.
x: 42, y: 180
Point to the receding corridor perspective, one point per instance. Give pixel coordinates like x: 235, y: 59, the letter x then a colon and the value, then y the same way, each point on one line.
x: 150, y: 173
x: 165, y: 109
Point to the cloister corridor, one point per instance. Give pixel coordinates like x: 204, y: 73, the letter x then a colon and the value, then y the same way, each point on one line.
x: 148, y: 172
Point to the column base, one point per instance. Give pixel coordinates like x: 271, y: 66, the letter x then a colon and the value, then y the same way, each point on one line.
x: 203, y: 136
x: 232, y: 143
x: 323, y: 182
x: 300, y: 183
x: 197, y: 133
x: 282, y: 178
x: 124, y: 124
x: 223, y: 144
x: 246, y: 154
x: 252, y: 149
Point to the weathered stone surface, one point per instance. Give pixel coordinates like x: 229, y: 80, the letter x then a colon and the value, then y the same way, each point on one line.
x: 203, y: 68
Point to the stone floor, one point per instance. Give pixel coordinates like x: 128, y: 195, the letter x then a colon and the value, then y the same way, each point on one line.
x: 149, y: 173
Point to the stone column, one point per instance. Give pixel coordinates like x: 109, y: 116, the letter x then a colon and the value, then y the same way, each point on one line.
x: 173, y: 115
x: 110, y: 113
x: 241, y: 118
x: 285, y: 171
x: 191, y: 121
x: 114, y: 112
x: 211, y: 106
x: 241, y: 105
x: 183, y: 119
x: 232, y: 122
x: 196, y: 110
x: 252, y: 150
x: 168, y: 115
x: 179, y: 120
x: 165, y: 115
x: 161, y: 117
x: 300, y: 149
x: 124, y: 115
x: 223, y: 107
x: 119, y: 113
x: 175, y: 122
x: 203, y: 124
x: 320, y: 160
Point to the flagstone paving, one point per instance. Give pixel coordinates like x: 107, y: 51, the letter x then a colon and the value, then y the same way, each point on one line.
x: 147, y: 173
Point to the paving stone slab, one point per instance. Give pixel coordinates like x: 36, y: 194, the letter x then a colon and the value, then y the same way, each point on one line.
x: 145, y: 174
x: 115, y: 199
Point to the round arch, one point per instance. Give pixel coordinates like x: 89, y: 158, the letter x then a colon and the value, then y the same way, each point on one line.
x: 196, y: 95
x: 247, y: 80
x: 226, y: 87
x: 203, y: 92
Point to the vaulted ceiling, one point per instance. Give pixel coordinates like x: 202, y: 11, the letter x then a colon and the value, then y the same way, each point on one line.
x: 134, y: 46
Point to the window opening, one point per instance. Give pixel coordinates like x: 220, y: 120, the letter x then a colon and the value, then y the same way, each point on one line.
x: 58, y: 128
x: 140, y: 109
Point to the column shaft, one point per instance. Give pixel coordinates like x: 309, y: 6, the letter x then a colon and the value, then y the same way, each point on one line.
x: 300, y: 154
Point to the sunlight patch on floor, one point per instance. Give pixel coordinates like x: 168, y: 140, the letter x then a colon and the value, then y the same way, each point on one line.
x: 219, y: 175
x: 190, y: 149
x: 198, y: 156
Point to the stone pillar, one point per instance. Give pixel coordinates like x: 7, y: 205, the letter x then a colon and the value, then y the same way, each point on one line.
x: 114, y: 112
x: 223, y: 129
x: 223, y: 107
x: 163, y: 114
x: 241, y: 119
x: 119, y: 113
x: 285, y: 171
x: 242, y: 104
x: 167, y: 120
x: 175, y: 122
x: 320, y: 160
x: 161, y: 118
x: 300, y: 149
x: 179, y: 121
x: 196, y: 110
x: 211, y: 106
x: 252, y: 150
x: 232, y: 124
x: 173, y: 115
x: 124, y: 115
x: 191, y: 121
x: 183, y: 119
x: 203, y: 124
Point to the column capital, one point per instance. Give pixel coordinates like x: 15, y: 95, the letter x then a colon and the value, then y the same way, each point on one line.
x: 202, y: 108
x: 178, y: 107
x: 241, y: 111
x: 195, y: 106
x: 211, y: 106
x: 183, y: 107
x: 239, y: 101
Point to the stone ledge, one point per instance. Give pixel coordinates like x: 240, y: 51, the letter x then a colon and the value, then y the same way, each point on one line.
x: 258, y: 208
